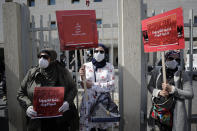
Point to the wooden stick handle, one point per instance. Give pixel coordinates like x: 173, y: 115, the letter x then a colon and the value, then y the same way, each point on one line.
x: 163, y: 67
x: 83, y: 77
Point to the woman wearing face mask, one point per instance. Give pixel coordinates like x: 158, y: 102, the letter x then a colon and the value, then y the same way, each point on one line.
x: 99, y: 79
x: 177, y: 88
x: 49, y: 73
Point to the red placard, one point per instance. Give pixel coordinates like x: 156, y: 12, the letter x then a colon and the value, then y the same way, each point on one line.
x: 47, y: 101
x: 164, y: 31
x: 77, y: 29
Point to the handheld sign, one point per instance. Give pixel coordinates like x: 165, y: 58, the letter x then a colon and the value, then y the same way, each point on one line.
x: 164, y: 31
x: 77, y: 29
x: 47, y: 101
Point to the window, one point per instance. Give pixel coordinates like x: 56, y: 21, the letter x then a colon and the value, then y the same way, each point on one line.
x: 51, y: 2
x: 98, y: 0
x: 98, y: 21
x: 75, y: 1
x: 195, y: 19
x: 53, y: 24
x: 31, y: 3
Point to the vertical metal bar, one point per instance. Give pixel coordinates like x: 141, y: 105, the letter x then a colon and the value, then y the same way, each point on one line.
x: 67, y: 59
x: 112, y: 53
x: 154, y: 53
x: 182, y: 59
x: 49, y: 25
x: 34, y: 45
x: 41, y: 33
x: 85, y: 55
x: 76, y: 75
x: 102, y: 28
x: 190, y: 65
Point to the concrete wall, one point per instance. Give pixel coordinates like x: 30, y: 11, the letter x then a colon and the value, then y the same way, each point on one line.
x: 131, y: 67
x: 1, y: 22
x: 17, y: 53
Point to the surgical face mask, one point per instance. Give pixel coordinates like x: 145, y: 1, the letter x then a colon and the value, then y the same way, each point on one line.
x: 99, y: 57
x: 43, y: 63
x: 171, y: 64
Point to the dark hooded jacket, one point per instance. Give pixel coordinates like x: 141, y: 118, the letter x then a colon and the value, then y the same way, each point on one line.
x: 54, y: 75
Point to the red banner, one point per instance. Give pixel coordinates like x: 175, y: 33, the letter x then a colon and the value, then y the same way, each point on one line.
x: 77, y: 29
x: 47, y: 101
x: 164, y: 32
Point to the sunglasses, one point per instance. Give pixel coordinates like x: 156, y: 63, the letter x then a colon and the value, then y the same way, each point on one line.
x: 171, y: 58
x: 101, y: 51
x: 44, y: 56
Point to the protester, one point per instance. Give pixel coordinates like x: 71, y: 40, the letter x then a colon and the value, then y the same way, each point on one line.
x: 49, y: 73
x: 99, y: 79
x: 169, y: 111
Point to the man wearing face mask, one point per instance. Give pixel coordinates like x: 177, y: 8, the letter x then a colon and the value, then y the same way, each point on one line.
x: 99, y: 79
x: 177, y: 88
x: 49, y: 73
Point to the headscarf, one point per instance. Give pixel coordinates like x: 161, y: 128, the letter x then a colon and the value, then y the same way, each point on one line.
x: 49, y: 51
x: 173, y: 54
x: 103, y: 62
x: 50, y: 73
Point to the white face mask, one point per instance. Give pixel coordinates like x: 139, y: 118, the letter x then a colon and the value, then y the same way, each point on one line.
x: 43, y: 63
x: 99, y: 57
x: 171, y: 64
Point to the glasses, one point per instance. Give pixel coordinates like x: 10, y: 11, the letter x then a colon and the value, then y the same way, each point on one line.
x: 101, y: 51
x: 44, y: 56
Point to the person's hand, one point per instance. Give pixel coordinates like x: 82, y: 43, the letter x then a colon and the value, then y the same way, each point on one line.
x: 166, y: 87
x: 82, y: 71
x: 163, y: 93
x: 64, y: 107
x: 89, y: 84
x: 30, y: 112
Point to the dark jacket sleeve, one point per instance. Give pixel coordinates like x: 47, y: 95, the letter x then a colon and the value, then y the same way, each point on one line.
x: 22, y: 96
x: 71, y: 90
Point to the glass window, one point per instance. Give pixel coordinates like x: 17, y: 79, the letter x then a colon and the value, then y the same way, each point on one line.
x: 195, y: 19
x: 53, y: 24
x: 31, y: 3
x: 98, y: 0
x: 98, y: 21
x: 75, y: 1
x: 51, y: 2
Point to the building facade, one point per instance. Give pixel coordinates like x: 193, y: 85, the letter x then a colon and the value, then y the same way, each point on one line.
x: 106, y: 18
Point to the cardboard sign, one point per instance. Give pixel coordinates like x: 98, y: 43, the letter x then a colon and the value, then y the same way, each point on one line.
x: 47, y: 101
x: 77, y: 29
x: 164, y: 31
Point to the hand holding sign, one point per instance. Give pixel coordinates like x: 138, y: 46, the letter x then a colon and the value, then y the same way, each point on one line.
x: 64, y: 107
x: 30, y: 112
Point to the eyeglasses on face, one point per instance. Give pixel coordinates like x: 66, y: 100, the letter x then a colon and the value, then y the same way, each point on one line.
x: 44, y: 56
x: 101, y: 51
